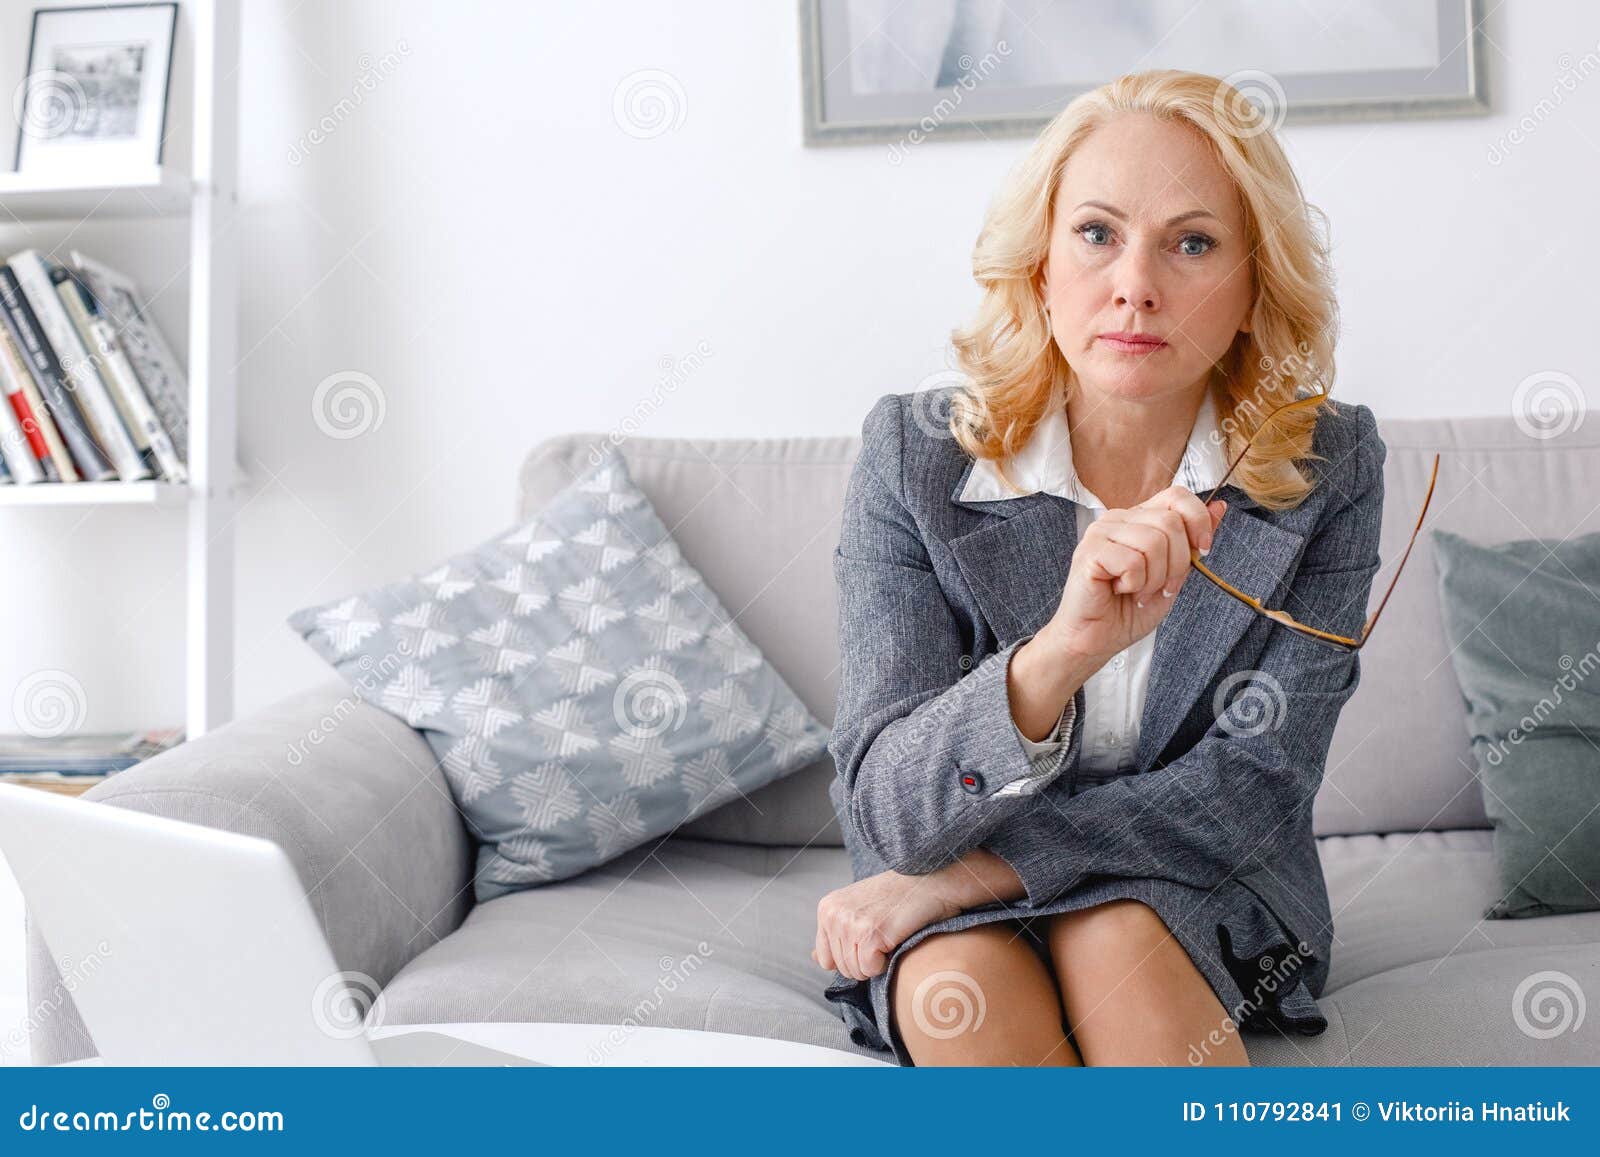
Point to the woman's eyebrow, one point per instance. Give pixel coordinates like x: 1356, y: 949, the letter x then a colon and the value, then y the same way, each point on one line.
x: 1181, y: 217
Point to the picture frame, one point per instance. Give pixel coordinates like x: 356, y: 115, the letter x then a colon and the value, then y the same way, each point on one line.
x: 94, y: 97
x: 902, y: 71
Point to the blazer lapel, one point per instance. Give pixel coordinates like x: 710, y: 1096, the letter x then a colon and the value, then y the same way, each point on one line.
x: 1204, y: 623
x: 1016, y: 563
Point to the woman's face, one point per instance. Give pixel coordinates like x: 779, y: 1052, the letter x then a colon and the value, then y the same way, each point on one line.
x: 1123, y: 265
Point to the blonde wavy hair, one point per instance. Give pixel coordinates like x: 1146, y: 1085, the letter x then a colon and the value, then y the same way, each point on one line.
x: 1007, y: 353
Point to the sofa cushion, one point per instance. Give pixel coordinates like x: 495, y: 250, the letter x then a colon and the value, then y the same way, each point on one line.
x: 583, y: 687
x: 682, y: 933
x: 703, y: 934
x: 1522, y: 623
x: 1503, y: 1006
x: 1408, y: 897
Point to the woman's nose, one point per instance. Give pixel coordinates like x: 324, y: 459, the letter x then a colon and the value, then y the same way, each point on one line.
x: 1135, y: 281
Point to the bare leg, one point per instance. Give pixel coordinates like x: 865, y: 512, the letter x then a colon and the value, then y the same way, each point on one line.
x: 979, y: 996
x: 1132, y: 995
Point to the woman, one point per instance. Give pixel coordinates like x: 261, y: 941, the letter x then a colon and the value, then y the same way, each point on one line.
x: 1075, y: 785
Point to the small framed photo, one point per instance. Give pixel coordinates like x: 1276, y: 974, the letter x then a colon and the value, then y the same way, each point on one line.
x: 94, y: 99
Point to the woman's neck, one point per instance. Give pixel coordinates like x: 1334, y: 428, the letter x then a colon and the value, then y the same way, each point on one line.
x: 1126, y: 451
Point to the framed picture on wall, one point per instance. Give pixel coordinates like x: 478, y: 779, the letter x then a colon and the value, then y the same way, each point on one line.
x: 904, y: 71
x: 94, y: 99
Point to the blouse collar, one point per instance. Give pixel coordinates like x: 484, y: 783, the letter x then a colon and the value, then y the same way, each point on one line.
x: 1045, y: 462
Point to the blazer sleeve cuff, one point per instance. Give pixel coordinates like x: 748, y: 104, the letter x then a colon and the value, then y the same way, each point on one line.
x: 1046, y: 757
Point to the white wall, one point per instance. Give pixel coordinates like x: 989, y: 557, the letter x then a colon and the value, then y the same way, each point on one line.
x: 483, y: 240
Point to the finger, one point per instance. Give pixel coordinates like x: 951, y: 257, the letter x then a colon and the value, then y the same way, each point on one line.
x: 846, y: 950
x: 1187, y: 504
x: 822, y: 953
x: 1152, y: 544
x: 1175, y: 543
x: 1123, y: 566
x: 1218, y: 508
x: 873, y: 960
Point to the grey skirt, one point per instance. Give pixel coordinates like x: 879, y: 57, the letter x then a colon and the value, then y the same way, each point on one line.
x: 1264, y: 976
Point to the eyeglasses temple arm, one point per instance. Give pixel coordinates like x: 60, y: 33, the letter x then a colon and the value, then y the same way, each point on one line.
x: 1373, y: 618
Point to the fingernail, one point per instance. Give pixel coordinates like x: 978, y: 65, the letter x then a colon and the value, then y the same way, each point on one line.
x: 1205, y: 550
x: 1137, y: 603
x: 1166, y: 594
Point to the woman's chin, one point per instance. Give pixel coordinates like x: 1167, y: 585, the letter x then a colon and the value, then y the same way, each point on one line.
x: 1128, y: 386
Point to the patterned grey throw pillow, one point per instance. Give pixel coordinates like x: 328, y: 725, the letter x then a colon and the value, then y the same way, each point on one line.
x: 583, y: 688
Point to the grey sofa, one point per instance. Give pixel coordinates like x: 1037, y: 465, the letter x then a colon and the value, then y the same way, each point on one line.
x: 1417, y: 976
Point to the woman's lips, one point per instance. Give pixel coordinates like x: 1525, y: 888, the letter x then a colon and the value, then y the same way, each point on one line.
x: 1133, y: 347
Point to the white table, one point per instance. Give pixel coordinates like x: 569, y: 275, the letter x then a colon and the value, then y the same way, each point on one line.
x: 587, y: 1045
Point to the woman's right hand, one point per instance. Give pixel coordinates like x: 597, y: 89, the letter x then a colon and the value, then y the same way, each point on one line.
x: 1127, y: 568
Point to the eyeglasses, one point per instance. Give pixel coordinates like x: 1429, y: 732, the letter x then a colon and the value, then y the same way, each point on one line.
x: 1326, y: 638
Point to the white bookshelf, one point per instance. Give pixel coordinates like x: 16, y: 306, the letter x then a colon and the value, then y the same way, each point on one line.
x: 95, y: 494
x: 156, y: 192
x: 201, y: 195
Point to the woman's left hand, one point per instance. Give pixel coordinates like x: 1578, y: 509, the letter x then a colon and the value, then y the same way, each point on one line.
x: 861, y: 924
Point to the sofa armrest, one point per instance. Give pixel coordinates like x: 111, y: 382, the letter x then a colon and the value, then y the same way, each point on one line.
x: 350, y: 792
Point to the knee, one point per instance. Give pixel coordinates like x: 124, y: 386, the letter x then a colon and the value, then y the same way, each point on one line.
x: 949, y: 977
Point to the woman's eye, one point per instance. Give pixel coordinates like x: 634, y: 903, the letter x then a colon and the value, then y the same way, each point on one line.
x: 1091, y: 231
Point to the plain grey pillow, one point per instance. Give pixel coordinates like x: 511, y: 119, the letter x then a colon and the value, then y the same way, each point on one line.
x: 1523, y: 621
x: 583, y: 688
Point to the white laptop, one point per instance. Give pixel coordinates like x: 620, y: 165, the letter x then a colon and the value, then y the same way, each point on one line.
x: 188, y: 945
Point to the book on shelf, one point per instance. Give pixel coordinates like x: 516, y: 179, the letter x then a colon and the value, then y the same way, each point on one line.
x: 85, y: 459
x: 44, y: 439
x: 92, y: 391
x: 141, y: 339
x: 77, y: 762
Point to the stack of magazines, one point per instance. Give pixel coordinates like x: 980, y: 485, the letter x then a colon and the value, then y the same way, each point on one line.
x: 75, y: 763
x: 92, y: 390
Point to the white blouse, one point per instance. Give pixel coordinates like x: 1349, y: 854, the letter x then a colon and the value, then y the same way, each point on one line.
x: 1114, y: 694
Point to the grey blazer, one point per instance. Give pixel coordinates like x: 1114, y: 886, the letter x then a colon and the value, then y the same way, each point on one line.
x: 935, y: 596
